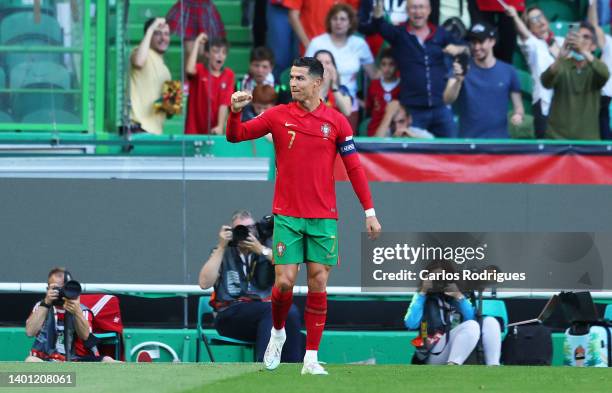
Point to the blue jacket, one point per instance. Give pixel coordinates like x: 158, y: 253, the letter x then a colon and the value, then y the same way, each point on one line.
x: 414, y: 315
x: 423, y: 68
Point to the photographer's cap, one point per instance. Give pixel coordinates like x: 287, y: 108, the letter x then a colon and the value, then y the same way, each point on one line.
x: 481, y: 31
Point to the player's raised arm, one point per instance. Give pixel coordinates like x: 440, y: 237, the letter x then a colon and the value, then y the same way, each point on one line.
x: 359, y: 181
x: 236, y: 131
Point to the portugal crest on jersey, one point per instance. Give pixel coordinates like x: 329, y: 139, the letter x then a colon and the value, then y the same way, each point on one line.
x: 325, y: 129
x: 280, y: 248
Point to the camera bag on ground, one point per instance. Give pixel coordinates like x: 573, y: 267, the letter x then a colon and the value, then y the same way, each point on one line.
x: 528, y: 345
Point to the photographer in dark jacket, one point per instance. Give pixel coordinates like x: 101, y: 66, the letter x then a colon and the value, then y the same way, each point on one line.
x: 240, y: 270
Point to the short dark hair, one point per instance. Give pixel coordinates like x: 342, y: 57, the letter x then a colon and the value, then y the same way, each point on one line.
x: 218, y: 42
x: 336, y: 9
x: 587, y: 25
x: 148, y: 24
x: 262, y: 53
x: 315, y: 68
x: 387, y: 53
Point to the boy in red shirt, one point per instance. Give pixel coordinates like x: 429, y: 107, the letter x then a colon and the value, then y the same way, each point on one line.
x: 210, y: 87
x: 382, y: 91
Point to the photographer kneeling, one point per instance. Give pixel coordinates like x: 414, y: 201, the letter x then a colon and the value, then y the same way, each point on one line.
x: 61, y: 324
x: 448, y: 330
x: 241, y: 271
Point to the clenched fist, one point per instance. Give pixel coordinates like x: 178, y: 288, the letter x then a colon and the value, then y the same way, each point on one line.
x: 240, y: 99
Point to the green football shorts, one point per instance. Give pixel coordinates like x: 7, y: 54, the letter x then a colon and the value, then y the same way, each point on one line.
x: 298, y: 240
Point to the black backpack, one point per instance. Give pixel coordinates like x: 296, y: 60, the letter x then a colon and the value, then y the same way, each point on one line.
x: 527, y: 345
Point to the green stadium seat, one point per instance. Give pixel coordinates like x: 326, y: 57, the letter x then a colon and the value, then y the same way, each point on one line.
x: 43, y: 75
x: 50, y: 116
x: 21, y: 25
x: 557, y: 10
x: 608, y: 312
x: 3, y: 96
x: 285, y: 76
x: 5, y: 117
x: 210, y: 340
x: 19, y: 29
x: 496, y: 308
x: 10, y: 6
x: 362, y: 130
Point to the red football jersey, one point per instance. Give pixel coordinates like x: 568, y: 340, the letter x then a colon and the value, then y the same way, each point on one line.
x: 306, y: 144
x: 377, y: 101
x: 206, y: 94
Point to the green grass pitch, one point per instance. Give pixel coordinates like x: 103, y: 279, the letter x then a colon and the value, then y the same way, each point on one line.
x: 252, y: 378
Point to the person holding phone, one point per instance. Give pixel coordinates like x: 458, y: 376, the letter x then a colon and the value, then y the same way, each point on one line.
x: 576, y: 77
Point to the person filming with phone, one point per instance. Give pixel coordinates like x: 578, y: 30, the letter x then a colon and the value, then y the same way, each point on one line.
x: 576, y: 77
x: 241, y: 272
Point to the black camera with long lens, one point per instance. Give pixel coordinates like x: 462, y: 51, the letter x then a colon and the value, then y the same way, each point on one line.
x: 71, y: 290
x: 264, y: 229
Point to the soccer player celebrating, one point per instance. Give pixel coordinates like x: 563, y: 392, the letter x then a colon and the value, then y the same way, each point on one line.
x: 307, y: 136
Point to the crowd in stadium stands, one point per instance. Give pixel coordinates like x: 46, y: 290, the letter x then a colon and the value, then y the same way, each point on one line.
x: 444, y: 67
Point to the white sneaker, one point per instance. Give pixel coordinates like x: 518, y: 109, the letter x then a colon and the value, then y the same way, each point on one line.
x: 272, y: 357
x: 313, y: 368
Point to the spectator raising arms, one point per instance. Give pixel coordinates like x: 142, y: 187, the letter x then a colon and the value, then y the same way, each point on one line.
x: 540, y: 48
x: 332, y: 93
x: 210, y: 87
x: 382, y: 91
x: 420, y: 50
x: 484, y: 89
x: 188, y: 18
x: 148, y: 72
x: 576, y: 78
x: 350, y: 51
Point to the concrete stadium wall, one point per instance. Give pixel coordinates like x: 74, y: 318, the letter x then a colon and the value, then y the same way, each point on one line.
x: 160, y: 232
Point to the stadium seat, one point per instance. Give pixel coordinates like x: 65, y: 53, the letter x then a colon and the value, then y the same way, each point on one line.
x: 50, y: 116
x: 496, y: 308
x: 363, y: 127
x: 5, y: 117
x: 209, y: 340
x: 3, y: 96
x: 608, y: 312
x: 42, y: 75
x: 8, y: 7
x: 20, y: 29
x: 284, y: 77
